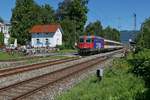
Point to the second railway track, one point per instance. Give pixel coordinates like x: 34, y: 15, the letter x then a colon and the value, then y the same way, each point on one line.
x: 28, y: 87
x: 16, y: 70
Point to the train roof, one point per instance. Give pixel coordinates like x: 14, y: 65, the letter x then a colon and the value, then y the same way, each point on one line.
x: 92, y: 36
x: 106, y: 40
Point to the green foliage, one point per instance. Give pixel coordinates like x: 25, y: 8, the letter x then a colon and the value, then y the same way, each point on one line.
x: 47, y: 14
x: 68, y: 35
x: 1, y: 38
x: 60, y: 47
x: 143, y: 38
x: 112, y: 34
x: 7, y: 56
x: 26, y: 14
x: 72, y: 16
x: 140, y: 63
x: 11, y: 40
x: 117, y: 84
x: 95, y: 28
x: 23, y: 17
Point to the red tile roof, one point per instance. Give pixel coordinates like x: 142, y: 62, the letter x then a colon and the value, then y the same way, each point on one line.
x: 45, y: 28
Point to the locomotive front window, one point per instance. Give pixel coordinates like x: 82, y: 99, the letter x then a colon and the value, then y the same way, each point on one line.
x: 88, y: 40
x: 81, y: 40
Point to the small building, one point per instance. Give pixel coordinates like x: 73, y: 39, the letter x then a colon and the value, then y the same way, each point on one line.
x: 4, y: 28
x: 46, y: 35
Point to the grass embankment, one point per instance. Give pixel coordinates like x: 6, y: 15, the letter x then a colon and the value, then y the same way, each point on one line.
x: 7, y: 56
x: 119, y: 83
x: 67, y: 51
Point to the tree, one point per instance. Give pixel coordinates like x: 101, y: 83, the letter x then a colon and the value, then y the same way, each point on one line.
x: 11, y: 40
x: 75, y: 11
x: 112, y: 34
x: 24, y: 16
x: 68, y: 29
x: 1, y: 38
x: 47, y: 14
x: 94, y: 28
x: 143, y: 38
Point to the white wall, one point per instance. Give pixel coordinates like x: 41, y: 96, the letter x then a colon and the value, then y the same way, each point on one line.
x: 4, y: 28
x: 53, y: 38
x: 58, y: 37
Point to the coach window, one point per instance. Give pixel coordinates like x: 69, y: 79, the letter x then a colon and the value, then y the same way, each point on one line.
x: 105, y: 43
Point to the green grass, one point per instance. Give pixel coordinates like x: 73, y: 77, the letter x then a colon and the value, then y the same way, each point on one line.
x: 117, y: 84
x: 67, y: 51
x: 17, y: 56
x: 7, y: 56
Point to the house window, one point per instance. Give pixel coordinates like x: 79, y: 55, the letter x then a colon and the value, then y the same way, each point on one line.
x: 38, y: 41
x: 47, y: 42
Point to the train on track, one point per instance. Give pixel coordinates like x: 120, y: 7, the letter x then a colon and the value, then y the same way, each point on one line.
x: 88, y: 45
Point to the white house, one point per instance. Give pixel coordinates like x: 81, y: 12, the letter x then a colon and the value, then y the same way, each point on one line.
x: 4, y: 28
x: 46, y: 35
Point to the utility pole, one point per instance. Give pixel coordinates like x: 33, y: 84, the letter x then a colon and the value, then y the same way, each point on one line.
x: 134, y: 18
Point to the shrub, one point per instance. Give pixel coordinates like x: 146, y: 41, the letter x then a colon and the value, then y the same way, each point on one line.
x: 11, y: 40
x: 1, y: 38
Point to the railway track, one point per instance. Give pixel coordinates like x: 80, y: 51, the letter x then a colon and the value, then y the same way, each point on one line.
x: 16, y: 70
x: 28, y: 87
x: 23, y: 89
x: 21, y: 59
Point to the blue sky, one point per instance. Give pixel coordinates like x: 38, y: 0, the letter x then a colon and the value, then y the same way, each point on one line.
x: 115, y: 13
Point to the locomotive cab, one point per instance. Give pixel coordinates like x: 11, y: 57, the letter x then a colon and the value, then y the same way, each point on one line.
x: 85, y: 44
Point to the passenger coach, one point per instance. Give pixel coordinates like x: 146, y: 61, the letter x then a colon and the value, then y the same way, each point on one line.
x: 96, y: 44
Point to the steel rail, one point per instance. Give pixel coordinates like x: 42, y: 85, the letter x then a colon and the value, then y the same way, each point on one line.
x: 16, y: 70
x: 33, y: 85
x: 49, y: 78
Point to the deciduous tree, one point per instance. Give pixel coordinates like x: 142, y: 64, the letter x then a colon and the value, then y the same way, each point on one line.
x: 143, y: 37
x: 27, y: 13
x: 112, y: 34
x: 94, y: 28
x: 73, y: 11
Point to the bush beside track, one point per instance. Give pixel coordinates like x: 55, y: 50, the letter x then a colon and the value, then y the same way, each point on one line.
x: 123, y: 81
